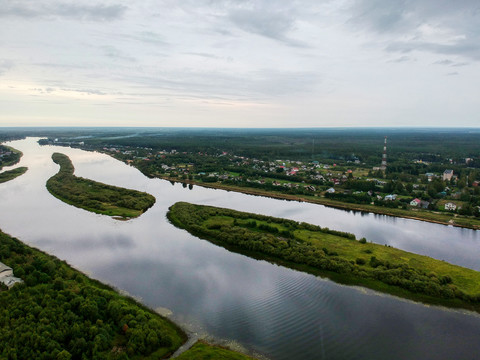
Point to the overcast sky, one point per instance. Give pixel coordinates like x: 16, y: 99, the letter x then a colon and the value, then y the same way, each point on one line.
x: 240, y: 63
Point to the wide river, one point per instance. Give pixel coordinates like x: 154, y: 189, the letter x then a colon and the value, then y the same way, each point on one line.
x: 264, y: 308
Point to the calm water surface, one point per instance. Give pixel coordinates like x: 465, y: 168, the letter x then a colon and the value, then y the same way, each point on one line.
x: 267, y: 309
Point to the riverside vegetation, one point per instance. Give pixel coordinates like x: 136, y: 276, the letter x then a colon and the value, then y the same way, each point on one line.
x: 12, y: 174
x: 94, y: 196
x: 331, y: 253
x: 8, y: 157
x: 59, y: 313
x: 203, y: 351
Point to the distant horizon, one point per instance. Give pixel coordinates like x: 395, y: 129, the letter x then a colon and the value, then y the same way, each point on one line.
x: 240, y: 128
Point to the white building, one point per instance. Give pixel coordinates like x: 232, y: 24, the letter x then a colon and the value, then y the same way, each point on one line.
x: 391, y: 197
x: 6, y: 276
x: 447, y: 175
x: 415, y: 202
x: 450, y: 206
x: 5, y: 270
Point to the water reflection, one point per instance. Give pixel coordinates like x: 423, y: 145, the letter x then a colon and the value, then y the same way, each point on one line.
x: 279, y: 312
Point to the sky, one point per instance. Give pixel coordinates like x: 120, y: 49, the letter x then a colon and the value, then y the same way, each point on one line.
x: 236, y: 63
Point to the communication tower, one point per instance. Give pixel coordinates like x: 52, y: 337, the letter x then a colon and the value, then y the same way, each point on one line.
x: 384, y: 156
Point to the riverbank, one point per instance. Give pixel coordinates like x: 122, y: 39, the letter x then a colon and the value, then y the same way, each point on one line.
x: 421, y: 215
x: 94, y: 196
x: 80, y: 316
x: 334, y: 254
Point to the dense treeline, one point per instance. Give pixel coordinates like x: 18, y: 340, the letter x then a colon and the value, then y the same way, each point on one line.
x: 355, y: 261
x: 12, y: 174
x: 432, y: 145
x: 95, y: 196
x: 59, y: 313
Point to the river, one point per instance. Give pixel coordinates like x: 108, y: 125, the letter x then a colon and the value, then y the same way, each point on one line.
x: 258, y: 306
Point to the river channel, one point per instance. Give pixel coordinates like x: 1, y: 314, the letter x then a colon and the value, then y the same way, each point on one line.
x: 264, y: 308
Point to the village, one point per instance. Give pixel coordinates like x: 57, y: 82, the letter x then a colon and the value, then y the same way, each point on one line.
x: 350, y: 181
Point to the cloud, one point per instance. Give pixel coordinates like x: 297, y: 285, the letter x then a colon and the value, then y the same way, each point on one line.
x: 63, y: 9
x: 113, y: 53
x: 442, y: 26
x: 256, y: 85
x: 273, y: 23
x: 86, y: 91
x: 449, y: 62
x: 5, y: 65
x: 401, y: 59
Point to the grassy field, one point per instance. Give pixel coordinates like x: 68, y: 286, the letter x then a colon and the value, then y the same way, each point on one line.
x: 94, y: 196
x: 338, y: 255
x: 204, y: 351
x: 12, y: 174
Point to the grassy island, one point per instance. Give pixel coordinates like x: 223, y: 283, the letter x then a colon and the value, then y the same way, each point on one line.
x: 59, y: 313
x: 94, y: 196
x: 12, y: 174
x: 337, y: 255
x: 204, y: 351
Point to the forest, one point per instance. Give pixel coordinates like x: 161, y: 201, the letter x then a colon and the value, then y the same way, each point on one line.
x: 94, y: 196
x: 310, y: 247
x: 59, y: 313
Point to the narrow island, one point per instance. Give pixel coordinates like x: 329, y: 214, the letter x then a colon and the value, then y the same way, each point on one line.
x: 334, y: 254
x: 12, y: 174
x: 95, y: 196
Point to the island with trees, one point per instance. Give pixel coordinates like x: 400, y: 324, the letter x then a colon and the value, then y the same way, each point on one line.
x: 12, y: 174
x: 8, y: 157
x: 337, y: 255
x: 94, y: 196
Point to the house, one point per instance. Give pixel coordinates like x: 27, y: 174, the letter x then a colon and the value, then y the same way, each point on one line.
x: 424, y: 204
x: 391, y: 197
x: 5, y: 270
x: 6, y: 276
x: 415, y: 202
x: 447, y: 175
x: 450, y: 206
x: 331, y: 190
